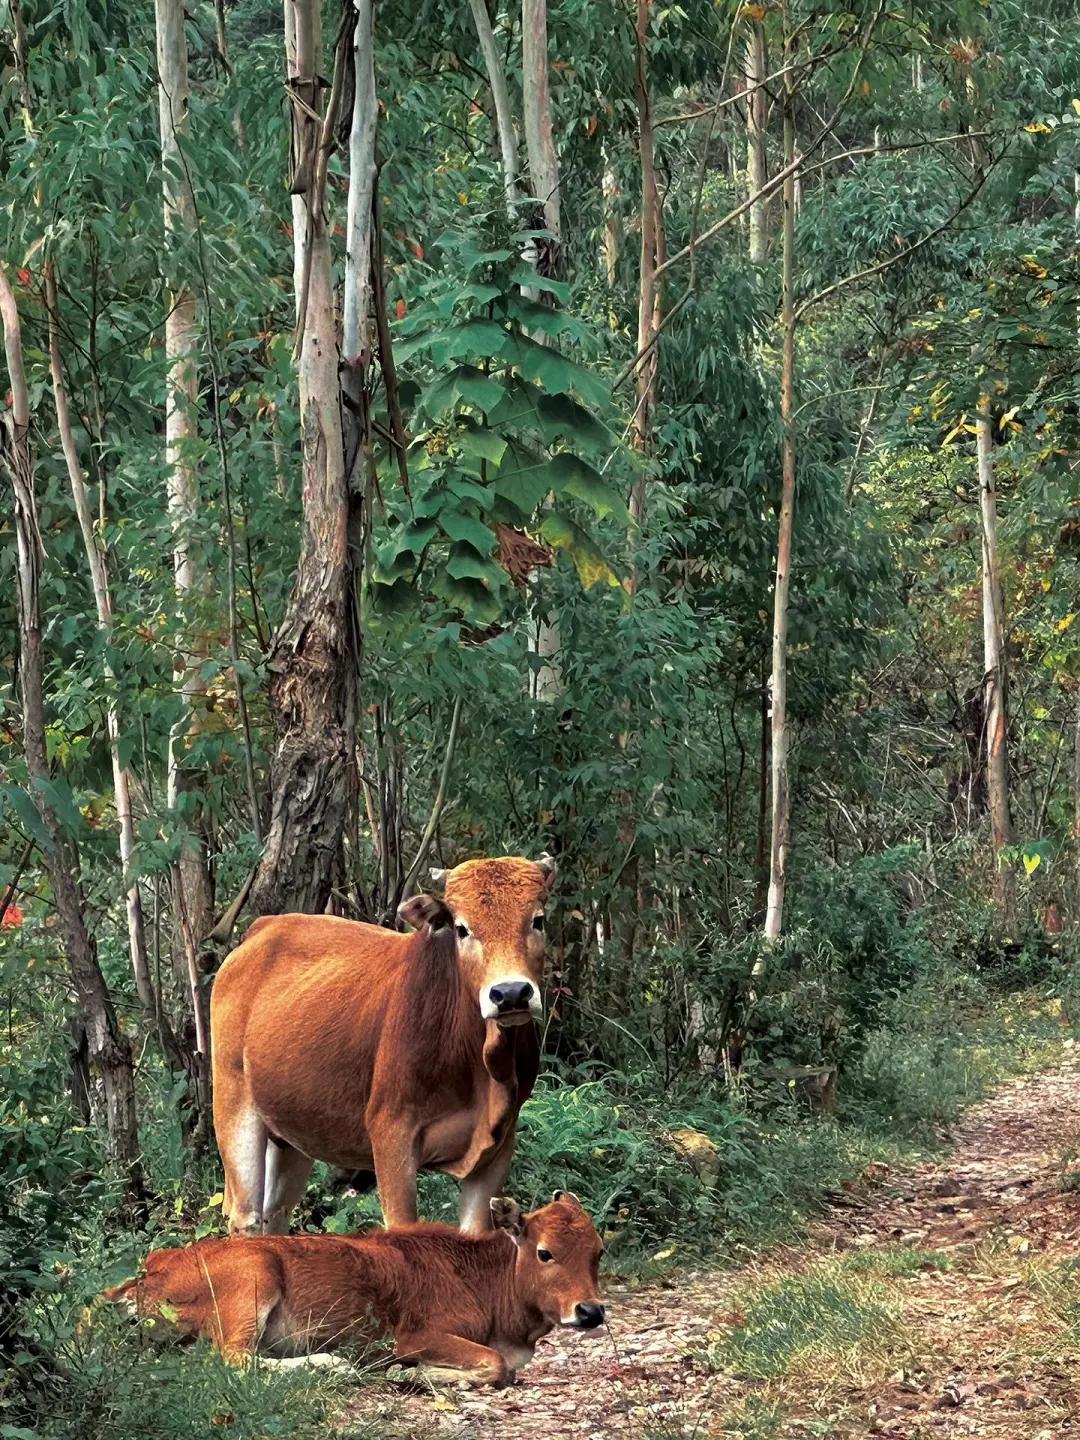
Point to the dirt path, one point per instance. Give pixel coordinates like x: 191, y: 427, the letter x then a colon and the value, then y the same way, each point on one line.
x: 940, y: 1304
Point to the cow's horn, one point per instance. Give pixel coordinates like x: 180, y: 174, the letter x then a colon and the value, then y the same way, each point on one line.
x: 438, y: 876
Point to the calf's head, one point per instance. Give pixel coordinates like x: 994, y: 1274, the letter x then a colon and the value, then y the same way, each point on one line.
x: 558, y: 1260
x: 496, y: 908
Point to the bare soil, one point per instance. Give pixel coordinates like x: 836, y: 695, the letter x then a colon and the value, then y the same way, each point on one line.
x: 987, y: 1347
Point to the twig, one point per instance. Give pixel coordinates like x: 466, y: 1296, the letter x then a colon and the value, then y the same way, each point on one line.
x: 439, y: 803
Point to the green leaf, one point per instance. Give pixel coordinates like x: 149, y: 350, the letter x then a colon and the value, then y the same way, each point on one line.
x: 468, y: 530
x: 570, y: 475
x: 589, y: 562
x: 465, y: 564
x: 467, y: 384
x: 525, y: 275
x: 57, y: 795
x: 481, y: 444
x: 563, y: 419
x: 26, y: 812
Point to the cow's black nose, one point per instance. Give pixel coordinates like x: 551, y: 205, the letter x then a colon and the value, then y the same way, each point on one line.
x: 589, y: 1315
x: 511, y: 995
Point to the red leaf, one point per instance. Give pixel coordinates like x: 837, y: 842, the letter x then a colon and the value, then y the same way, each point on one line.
x: 24, y: 276
x: 590, y: 129
x: 417, y: 249
x: 13, y: 916
x: 399, y: 309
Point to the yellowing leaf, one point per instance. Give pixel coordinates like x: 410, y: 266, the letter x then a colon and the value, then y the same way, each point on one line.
x: 958, y: 429
x: 665, y: 1254
x: 216, y: 1199
x: 1063, y: 624
x: 1038, y: 128
x: 1032, y: 863
x: 1076, y: 106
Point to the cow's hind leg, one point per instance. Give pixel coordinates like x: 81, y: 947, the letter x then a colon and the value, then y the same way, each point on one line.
x: 242, y: 1139
x: 444, y: 1359
x: 286, y: 1179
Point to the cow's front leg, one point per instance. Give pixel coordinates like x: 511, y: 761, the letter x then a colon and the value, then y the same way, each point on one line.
x: 445, y: 1359
x: 480, y: 1188
x: 393, y: 1150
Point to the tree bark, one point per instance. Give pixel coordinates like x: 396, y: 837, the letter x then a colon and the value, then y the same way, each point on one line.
x: 181, y: 434
x: 757, y: 102
x: 536, y: 104
x: 97, y: 565
x: 108, y: 1047
x: 613, y: 227
x: 781, y: 797
x: 995, y: 705
x: 647, y: 372
x: 312, y: 658
x: 500, y: 98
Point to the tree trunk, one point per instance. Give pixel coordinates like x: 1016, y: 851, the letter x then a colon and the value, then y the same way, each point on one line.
x: 781, y: 798
x: 500, y: 98
x: 647, y: 373
x: 97, y: 565
x: 757, y: 113
x: 312, y: 659
x: 108, y: 1047
x: 613, y: 227
x: 536, y: 103
x: 995, y: 709
x: 181, y: 434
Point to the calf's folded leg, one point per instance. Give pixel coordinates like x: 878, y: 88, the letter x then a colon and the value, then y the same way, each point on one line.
x: 446, y: 1358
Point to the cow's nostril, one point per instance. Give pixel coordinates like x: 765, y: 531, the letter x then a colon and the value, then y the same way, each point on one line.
x: 589, y: 1315
x: 511, y: 994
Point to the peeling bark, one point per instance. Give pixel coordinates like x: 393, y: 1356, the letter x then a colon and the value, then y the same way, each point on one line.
x: 312, y: 657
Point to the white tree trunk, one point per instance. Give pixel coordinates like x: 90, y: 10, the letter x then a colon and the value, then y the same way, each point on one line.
x: 181, y: 422
x: 781, y: 796
x: 99, y: 580
x: 756, y: 122
x: 356, y: 341
x: 613, y: 228
x: 536, y: 103
x: 994, y: 704
x: 500, y: 96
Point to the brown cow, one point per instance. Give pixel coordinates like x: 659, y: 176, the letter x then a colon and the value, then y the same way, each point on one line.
x: 460, y: 1306
x: 375, y: 1050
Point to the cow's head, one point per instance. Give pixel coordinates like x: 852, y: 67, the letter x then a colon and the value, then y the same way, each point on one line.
x: 497, y: 910
x: 558, y: 1259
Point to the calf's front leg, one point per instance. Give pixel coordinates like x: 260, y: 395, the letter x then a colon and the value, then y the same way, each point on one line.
x: 444, y: 1359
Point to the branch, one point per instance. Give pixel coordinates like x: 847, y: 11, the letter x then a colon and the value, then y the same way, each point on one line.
x: 439, y: 803
x: 781, y: 175
x: 901, y: 255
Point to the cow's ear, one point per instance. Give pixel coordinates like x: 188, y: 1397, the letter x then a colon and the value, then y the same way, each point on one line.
x: 506, y: 1215
x: 567, y: 1197
x: 548, y: 866
x: 425, y: 910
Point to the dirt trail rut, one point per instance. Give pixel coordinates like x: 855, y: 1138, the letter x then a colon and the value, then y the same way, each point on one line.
x: 988, y: 1342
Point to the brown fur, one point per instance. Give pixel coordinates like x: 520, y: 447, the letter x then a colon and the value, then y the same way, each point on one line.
x: 366, y: 1048
x: 473, y: 1304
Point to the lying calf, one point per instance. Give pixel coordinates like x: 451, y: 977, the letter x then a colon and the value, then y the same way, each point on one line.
x: 460, y: 1306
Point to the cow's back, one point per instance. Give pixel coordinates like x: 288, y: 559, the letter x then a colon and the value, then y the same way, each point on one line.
x: 297, y: 1013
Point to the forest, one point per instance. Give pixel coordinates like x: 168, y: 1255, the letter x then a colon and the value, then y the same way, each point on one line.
x: 642, y: 435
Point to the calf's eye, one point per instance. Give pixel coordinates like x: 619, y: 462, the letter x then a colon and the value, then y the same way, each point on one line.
x: 538, y: 922
x: 462, y: 931
x: 544, y: 1255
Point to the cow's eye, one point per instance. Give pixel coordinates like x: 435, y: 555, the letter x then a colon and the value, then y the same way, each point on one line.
x: 462, y: 931
x: 538, y: 922
x: 544, y: 1255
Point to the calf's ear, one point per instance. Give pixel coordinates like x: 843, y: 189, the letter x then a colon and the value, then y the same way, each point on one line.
x: 506, y: 1215
x: 568, y: 1198
x: 425, y: 910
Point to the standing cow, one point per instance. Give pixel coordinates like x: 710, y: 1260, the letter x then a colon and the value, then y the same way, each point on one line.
x: 370, y: 1049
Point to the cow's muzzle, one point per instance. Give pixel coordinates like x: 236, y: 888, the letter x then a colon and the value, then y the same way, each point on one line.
x: 587, y: 1316
x: 510, y: 1002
